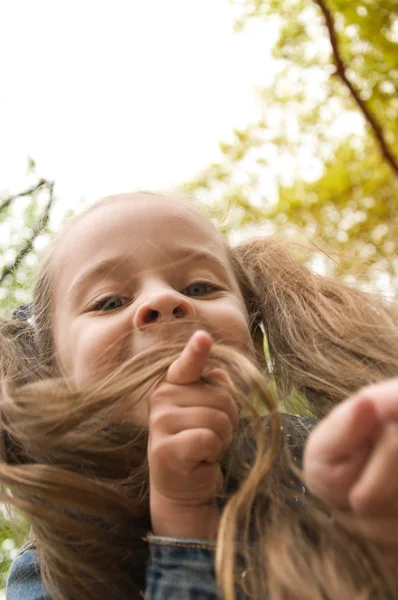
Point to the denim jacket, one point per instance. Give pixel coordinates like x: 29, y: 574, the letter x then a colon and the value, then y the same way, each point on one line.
x: 177, y: 568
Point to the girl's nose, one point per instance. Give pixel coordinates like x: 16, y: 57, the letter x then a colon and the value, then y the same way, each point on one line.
x: 162, y: 308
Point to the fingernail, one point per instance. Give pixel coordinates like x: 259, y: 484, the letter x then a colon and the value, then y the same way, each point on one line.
x: 196, y: 340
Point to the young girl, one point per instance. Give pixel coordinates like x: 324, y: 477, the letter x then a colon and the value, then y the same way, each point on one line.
x: 133, y: 401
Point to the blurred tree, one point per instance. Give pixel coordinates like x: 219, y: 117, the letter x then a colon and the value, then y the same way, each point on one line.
x: 13, y: 534
x: 322, y: 158
x: 23, y: 223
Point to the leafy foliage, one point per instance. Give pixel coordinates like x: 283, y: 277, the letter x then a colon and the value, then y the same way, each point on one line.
x: 322, y: 159
x: 14, y: 531
x: 23, y: 227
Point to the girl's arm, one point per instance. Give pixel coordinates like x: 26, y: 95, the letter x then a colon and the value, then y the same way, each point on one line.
x: 190, y: 427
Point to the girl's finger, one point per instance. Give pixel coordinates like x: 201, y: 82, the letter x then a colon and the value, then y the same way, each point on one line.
x: 218, y: 374
x: 189, y: 366
x: 377, y: 487
x: 184, y: 451
x: 167, y: 403
x: 337, y: 451
x: 384, y: 396
x: 204, y: 417
x: 346, y: 429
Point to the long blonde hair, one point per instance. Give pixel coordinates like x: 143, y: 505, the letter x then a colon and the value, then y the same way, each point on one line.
x: 81, y: 476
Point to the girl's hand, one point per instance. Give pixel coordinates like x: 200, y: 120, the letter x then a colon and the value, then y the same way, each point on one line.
x: 351, y: 463
x: 190, y: 427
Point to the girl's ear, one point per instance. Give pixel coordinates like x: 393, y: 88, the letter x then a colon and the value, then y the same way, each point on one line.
x: 259, y: 347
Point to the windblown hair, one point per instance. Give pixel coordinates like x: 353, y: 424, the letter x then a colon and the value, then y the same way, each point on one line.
x: 81, y: 477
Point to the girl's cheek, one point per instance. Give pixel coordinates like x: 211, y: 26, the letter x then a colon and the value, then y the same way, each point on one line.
x: 95, y: 352
x: 233, y: 328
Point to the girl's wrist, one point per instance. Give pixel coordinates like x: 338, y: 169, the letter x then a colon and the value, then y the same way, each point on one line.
x: 173, y: 519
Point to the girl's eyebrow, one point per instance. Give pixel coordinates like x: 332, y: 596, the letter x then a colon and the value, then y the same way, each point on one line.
x: 179, y: 258
x: 101, y: 269
x: 185, y: 254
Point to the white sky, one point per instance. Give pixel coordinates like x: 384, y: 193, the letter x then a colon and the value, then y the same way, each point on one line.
x: 111, y: 96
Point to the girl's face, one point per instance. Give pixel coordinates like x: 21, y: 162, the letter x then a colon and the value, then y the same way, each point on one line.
x: 137, y: 272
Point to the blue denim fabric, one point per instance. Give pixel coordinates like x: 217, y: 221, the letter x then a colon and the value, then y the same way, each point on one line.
x: 182, y: 570
x: 24, y: 582
x: 177, y: 569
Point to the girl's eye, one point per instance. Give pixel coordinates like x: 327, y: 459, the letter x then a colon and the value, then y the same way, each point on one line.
x: 199, y: 289
x: 110, y: 303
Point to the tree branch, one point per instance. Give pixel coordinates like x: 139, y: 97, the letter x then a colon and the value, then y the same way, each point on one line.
x: 6, y: 203
x: 40, y: 225
x: 341, y: 71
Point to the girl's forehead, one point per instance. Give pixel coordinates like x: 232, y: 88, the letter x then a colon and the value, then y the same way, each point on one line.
x: 127, y: 224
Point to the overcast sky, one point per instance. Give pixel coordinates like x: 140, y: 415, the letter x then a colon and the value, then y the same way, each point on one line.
x: 113, y: 96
